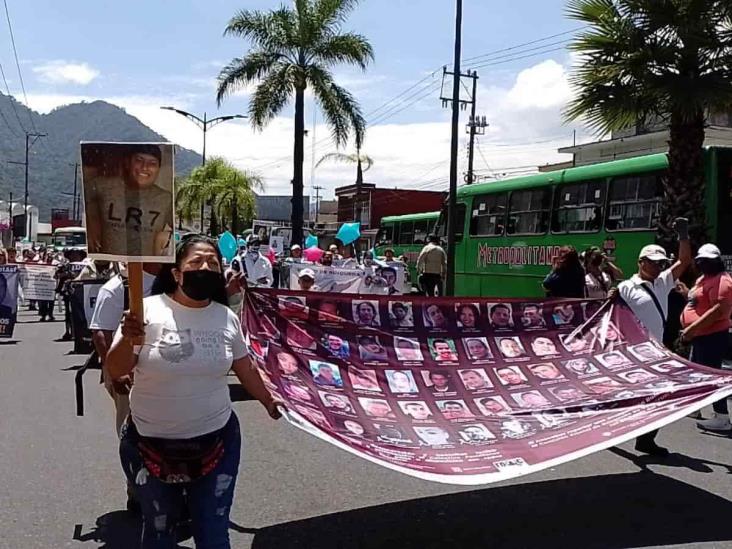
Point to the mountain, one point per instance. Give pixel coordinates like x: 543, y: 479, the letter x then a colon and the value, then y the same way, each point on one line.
x: 52, y: 158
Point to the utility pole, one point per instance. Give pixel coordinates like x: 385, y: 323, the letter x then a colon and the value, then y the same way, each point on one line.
x: 73, y: 200
x: 317, y: 190
x: 10, y: 218
x: 205, y: 124
x: 476, y: 126
x: 28, y: 145
x: 452, y: 198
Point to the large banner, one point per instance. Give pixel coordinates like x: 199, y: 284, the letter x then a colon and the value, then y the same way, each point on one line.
x: 8, y: 299
x: 378, y: 280
x: 38, y: 281
x: 469, y: 390
x: 128, y: 201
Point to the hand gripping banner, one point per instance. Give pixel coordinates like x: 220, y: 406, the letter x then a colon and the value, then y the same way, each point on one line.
x: 469, y: 390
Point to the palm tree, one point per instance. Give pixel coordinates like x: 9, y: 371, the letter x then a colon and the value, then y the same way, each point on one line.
x: 643, y: 60
x: 228, y: 190
x: 233, y: 198
x: 293, y: 49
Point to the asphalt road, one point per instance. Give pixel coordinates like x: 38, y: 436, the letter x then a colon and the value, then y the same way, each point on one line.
x: 61, y: 484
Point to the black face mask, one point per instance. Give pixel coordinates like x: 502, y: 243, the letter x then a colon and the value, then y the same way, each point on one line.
x: 200, y: 285
x: 706, y: 267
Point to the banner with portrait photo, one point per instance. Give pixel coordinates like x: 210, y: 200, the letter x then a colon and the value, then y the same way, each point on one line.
x: 8, y: 299
x: 379, y: 280
x: 469, y: 390
x: 129, y: 201
x: 37, y: 281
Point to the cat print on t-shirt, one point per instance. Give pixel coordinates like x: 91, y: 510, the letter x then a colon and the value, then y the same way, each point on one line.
x: 175, y: 345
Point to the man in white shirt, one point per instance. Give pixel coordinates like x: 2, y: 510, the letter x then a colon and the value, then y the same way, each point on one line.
x: 646, y: 293
x: 257, y: 268
x: 432, y: 267
x: 104, y: 322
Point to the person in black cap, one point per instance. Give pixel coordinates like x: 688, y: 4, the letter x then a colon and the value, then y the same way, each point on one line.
x: 129, y: 209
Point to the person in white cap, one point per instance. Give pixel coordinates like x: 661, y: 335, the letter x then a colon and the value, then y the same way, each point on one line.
x: 306, y: 280
x: 706, y: 323
x: 257, y: 268
x: 646, y: 293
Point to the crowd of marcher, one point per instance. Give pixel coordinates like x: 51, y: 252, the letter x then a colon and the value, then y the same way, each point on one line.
x: 180, y: 440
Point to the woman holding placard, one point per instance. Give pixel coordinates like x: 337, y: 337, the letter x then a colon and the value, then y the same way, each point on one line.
x: 182, y: 434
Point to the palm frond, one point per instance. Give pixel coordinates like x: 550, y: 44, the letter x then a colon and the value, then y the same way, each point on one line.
x: 350, y: 49
x: 242, y: 71
x: 366, y: 161
x: 341, y: 110
x: 272, y: 94
x: 271, y: 31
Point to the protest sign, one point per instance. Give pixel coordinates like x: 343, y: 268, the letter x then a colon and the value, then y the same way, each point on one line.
x: 469, y: 390
x: 377, y: 280
x: 8, y: 299
x: 83, y: 299
x: 38, y: 281
x: 129, y: 201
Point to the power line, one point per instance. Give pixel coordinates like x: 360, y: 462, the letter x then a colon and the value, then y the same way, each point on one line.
x: 12, y: 103
x: 520, y: 46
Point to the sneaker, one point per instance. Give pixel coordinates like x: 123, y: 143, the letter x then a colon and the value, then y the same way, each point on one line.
x: 718, y: 424
x: 651, y: 448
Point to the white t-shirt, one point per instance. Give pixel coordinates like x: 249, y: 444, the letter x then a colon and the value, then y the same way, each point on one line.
x: 110, y: 302
x: 181, y: 389
x: 641, y: 303
x: 594, y: 286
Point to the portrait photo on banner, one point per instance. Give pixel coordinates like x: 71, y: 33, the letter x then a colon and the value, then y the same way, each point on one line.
x: 129, y: 200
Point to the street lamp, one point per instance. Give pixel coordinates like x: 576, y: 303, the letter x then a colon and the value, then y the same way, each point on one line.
x: 204, y: 123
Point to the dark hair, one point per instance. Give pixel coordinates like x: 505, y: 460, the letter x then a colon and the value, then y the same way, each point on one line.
x: 385, y: 269
x: 453, y: 402
x: 433, y: 238
x: 499, y: 306
x: 165, y: 282
x: 567, y: 259
x: 534, y: 305
x: 716, y: 265
x: 443, y: 373
x: 387, y: 250
x: 436, y: 341
x: 470, y: 306
x: 145, y: 148
x: 371, y: 305
x: 365, y: 340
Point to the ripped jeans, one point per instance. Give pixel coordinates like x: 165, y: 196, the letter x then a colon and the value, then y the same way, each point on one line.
x: 208, y: 498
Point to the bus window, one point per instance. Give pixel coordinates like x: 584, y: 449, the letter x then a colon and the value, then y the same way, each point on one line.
x: 385, y: 235
x: 459, y: 230
x: 406, y: 231
x: 529, y: 211
x: 421, y: 230
x: 489, y: 215
x: 634, y: 202
x: 578, y: 208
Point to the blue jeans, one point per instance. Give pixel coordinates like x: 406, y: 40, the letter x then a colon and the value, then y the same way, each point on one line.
x: 208, y: 498
x: 709, y: 350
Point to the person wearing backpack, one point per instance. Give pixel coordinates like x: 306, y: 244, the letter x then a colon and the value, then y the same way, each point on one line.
x: 646, y: 293
x: 706, y: 323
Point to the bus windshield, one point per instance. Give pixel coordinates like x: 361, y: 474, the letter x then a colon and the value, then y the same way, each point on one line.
x: 69, y: 239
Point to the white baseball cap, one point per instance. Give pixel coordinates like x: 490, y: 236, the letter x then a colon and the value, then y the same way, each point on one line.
x: 708, y: 251
x: 307, y: 272
x: 653, y: 252
x: 295, y: 247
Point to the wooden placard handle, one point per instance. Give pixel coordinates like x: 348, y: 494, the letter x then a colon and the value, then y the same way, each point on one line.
x: 134, y: 281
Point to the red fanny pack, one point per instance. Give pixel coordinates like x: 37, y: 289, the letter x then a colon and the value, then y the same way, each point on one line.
x: 176, y: 461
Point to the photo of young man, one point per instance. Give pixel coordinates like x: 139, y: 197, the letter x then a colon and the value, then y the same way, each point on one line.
x: 371, y: 350
x: 400, y: 314
x: 376, y: 408
x: 336, y: 403
x: 613, y: 359
x: 297, y: 391
x: 287, y: 363
x: 326, y: 374
x: 499, y: 316
x: 603, y: 385
x: 546, y: 371
x: 438, y: 381
x: 475, y: 379
x: 128, y: 196
x: 454, y: 409
x: 568, y: 393
x: 532, y: 316
x: 532, y: 400
x: 516, y: 428
x: 401, y: 381
x: 646, y: 352
x: 293, y: 307
x: 443, y: 350
x: 433, y: 436
x: 669, y: 367
x: 563, y: 314
x: 366, y: 314
x: 491, y: 406
x: 336, y: 346
x: 416, y: 409
x: 510, y: 375
x: 510, y: 347
x: 353, y: 428
x: 637, y: 376
x: 543, y: 346
x: 434, y: 317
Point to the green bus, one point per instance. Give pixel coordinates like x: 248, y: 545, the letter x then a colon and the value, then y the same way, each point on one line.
x: 406, y: 235
x: 510, y: 230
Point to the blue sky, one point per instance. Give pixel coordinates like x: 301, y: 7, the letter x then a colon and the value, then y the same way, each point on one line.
x: 143, y: 54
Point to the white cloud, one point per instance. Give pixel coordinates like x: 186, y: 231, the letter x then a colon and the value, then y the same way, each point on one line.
x: 525, y: 130
x: 65, y: 72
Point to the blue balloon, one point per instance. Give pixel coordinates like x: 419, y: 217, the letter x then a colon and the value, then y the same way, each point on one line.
x: 242, y: 242
x: 349, y: 232
x: 311, y: 241
x: 227, y: 246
